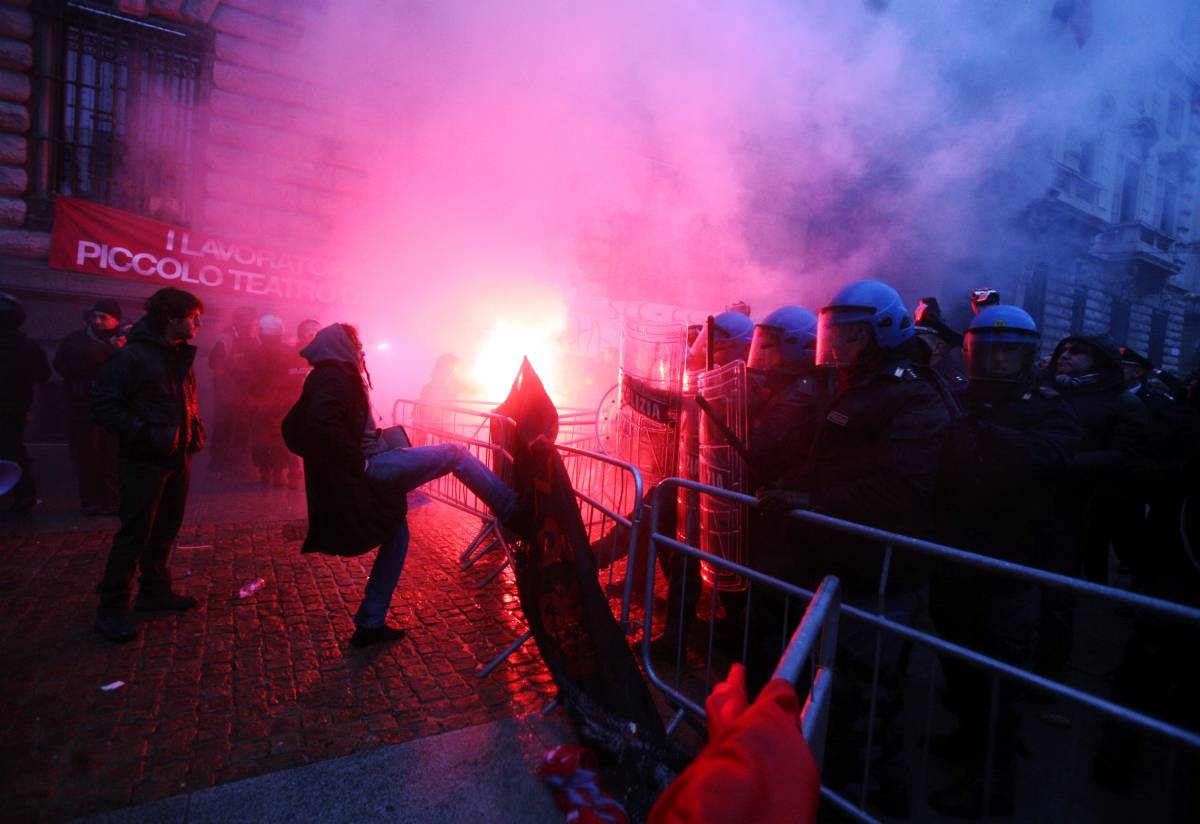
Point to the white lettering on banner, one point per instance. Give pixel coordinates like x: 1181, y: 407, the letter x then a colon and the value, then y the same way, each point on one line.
x: 143, y: 256
x: 211, y: 275
x: 179, y: 270
x: 148, y: 264
x: 112, y: 259
x: 86, y: 251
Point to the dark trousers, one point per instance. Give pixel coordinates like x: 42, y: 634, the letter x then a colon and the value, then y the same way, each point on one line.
x: 94, y: 456
x: 231, y: 443
x: 998, y: 621
x: 153, y: 497
x: 12, y: 448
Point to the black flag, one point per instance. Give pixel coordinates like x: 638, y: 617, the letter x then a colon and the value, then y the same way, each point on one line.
x: 583, y: 646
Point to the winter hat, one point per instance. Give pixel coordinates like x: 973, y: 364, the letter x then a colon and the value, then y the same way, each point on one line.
x: 108, y: 306
x: 1132, y: 357
x: 270, y: 326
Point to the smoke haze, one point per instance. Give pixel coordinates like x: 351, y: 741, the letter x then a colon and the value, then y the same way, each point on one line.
x: 522, y: 155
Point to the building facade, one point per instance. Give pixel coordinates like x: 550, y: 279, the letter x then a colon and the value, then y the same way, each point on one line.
x: 1117, y: 238
x: 190, y: 112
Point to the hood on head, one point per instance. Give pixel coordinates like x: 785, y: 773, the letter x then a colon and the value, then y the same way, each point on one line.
x: 1108, y: 355
x: 331, y: 344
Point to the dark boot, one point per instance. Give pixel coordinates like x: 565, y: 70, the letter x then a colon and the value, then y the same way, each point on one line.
x: 365, y: 636
x: 116, y: 627
x: 164, y: 602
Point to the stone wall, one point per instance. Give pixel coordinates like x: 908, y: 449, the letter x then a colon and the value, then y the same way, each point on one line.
x: 277, y: 167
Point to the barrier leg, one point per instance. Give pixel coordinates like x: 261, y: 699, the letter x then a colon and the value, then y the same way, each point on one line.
x: 500, y: 659
x: 475, y: 542
x: 484, y: 550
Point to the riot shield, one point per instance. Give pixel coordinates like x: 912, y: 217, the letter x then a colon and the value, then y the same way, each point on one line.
x: 647, y: 419
x: 722, y: 523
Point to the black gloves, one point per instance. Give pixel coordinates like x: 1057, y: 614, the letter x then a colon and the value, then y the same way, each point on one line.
x: 773, y: 499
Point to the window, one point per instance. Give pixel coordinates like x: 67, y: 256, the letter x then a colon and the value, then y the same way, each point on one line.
x: 1118, y: 320
x: 1087, y: 158
x: 1175, y: 113
x: 1129, y: 192
x: 1035, y: 295
x: 1078, y: 309
x: 1158, y: 336
x: 1170, y: 205
x: 130, y: 96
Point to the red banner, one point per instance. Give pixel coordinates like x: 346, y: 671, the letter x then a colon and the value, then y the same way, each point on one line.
x: 100, y: 240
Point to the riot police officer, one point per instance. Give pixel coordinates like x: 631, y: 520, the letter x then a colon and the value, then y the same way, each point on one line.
x: 1001, y: 497
x: 875, y: 461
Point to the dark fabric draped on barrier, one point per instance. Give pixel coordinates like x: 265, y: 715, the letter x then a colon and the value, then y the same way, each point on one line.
x: 582, y: 644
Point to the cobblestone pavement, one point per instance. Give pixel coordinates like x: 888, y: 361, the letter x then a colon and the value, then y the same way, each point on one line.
x: 238, y: 687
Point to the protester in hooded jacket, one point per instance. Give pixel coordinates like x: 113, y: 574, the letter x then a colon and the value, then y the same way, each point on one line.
x: 356, y: 476
x: 79, y: 358
x: 146, y: 397
x: 1000, y: 495
x: 22, y: 365
x: 1087, y: 371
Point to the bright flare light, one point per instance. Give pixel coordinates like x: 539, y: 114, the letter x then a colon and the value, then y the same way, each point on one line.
x: 383, y: 347
x: 496, y: 364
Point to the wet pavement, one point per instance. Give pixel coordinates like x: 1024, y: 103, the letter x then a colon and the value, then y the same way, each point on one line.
x: 240, y: 687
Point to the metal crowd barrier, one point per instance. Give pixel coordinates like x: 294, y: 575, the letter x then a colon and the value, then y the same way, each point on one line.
x: 814, y: 638
x: 605, y: 489
x: 609, y: 492
x: 489, y: 438
x: 687, y: 690
x: 610, y: 497
x: 577, y: 428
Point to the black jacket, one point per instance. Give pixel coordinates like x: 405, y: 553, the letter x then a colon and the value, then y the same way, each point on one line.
x: 1114, y: 421
x: 1002, y: 494
x: 146, y: 397
x: 782, y: 425
x: 347, y: 515
x: 22, y: 364
x: 78, y: 359
x: 875, y: 461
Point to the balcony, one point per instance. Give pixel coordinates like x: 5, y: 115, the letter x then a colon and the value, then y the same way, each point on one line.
x: 1141, y: 251
x: 1074, y: 189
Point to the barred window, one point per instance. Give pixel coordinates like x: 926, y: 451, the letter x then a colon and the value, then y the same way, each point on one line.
x: 131, y: 93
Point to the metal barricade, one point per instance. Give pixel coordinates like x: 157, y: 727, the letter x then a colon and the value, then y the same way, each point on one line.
x: 489, y: 437
x: 605, y: 489
x: 577, y: 428
x: 687, y: 688
x: 610, y: 497
x: 609, y: 493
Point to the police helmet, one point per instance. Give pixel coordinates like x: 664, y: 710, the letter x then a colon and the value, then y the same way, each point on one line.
x: 784, y: 339
x: 732, y: 332
x: 1001, y: 344
x: 869, y: 305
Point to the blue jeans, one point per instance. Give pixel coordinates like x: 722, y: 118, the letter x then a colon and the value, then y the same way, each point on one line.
x: 405, y: 470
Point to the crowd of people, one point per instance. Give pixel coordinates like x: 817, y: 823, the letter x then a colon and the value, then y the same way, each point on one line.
x: 862, y: 411
x: 311, y: 406
x: 868, y: 414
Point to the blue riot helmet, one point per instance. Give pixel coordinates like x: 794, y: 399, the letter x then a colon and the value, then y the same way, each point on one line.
x: 784, y: 340
x: 861, y: 316
x: 732, y: 332
x: 1001, y: 344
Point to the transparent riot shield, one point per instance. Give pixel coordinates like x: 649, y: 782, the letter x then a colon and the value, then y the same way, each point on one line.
x: 648, y: 399
x: 723, y: 523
